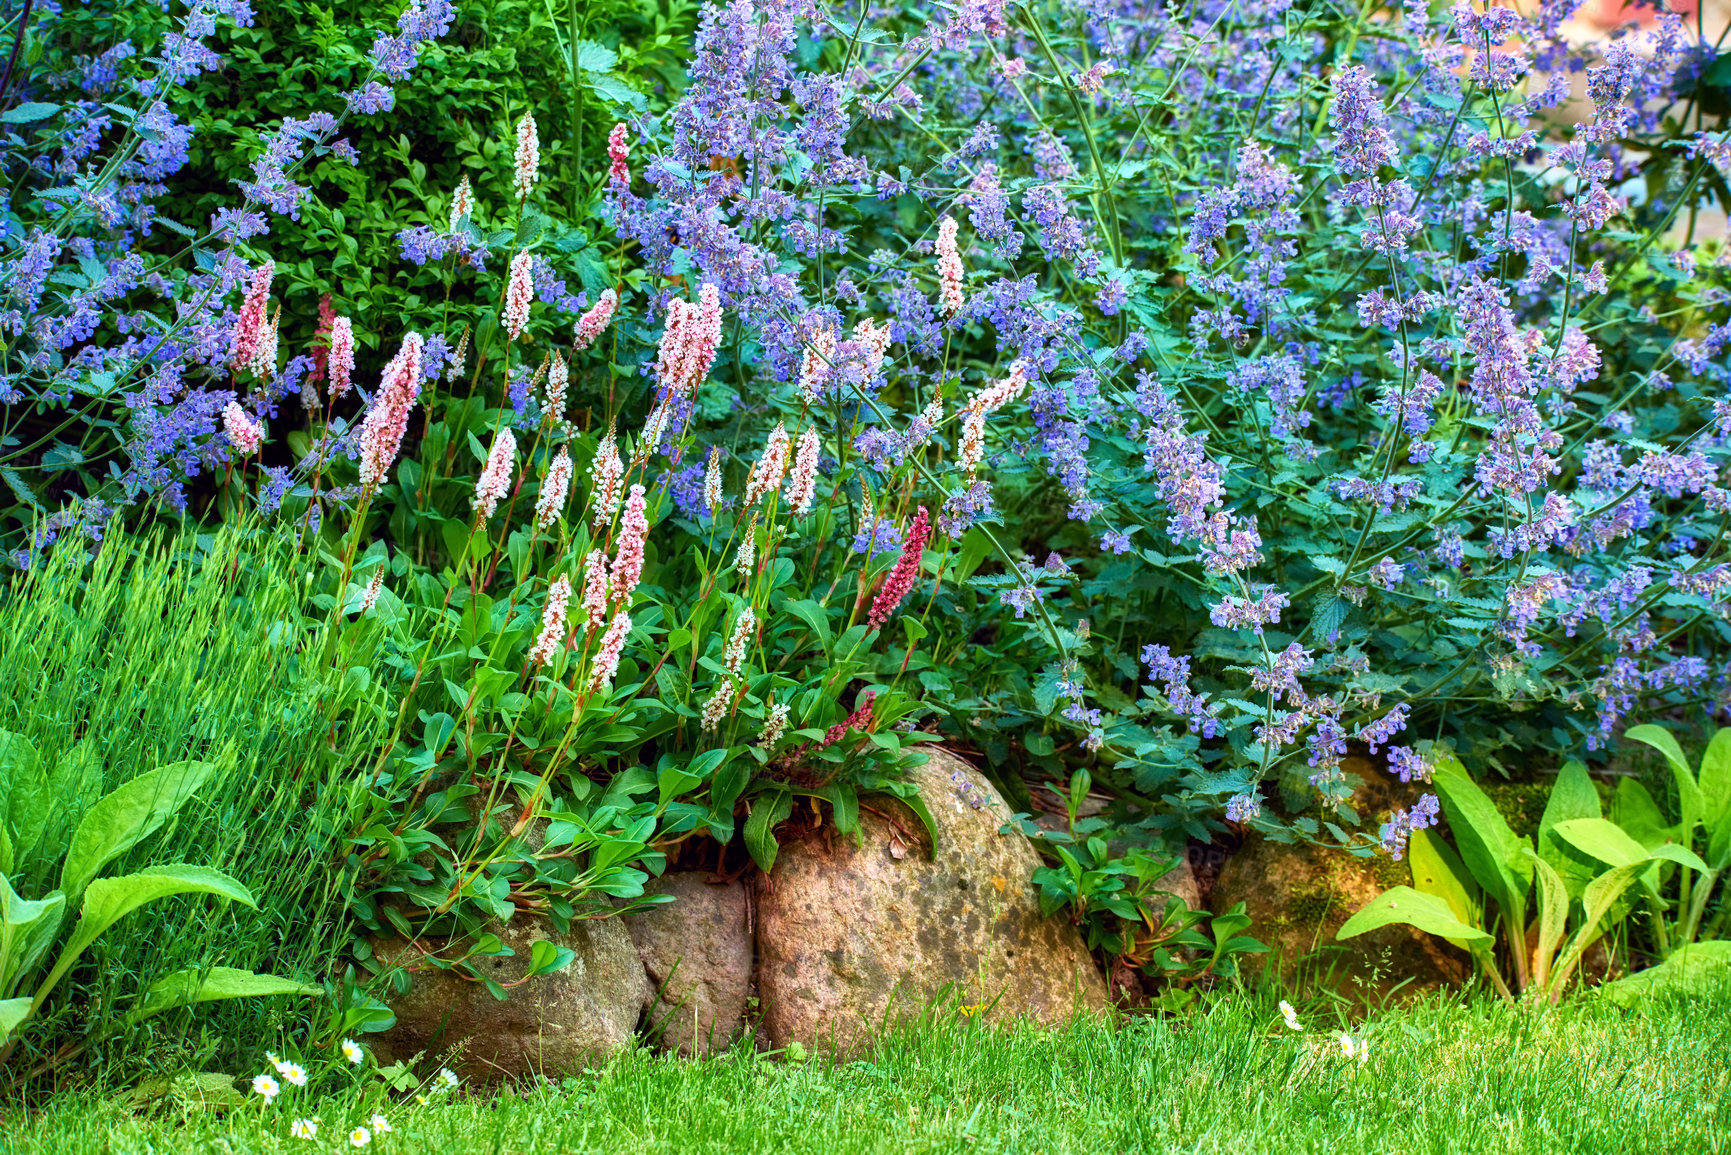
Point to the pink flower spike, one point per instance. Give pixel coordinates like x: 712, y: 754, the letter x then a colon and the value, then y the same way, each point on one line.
x: 462, y: 203
x: 382, y: 429
x: 558, y: 381
x: 901, y: 578
x: 519, y: 294
x: 766, y: 475
x: 245, y: 434
x: 594, y: 591
x: 250, y: 325
x: 593, y: 323
x: 628, y: 562
x: 342, y: 355
x: 618, y: 150
x: 688, y: 342
x: 495, y: 479
x: 612, y: 646
x: 552, y: 636
x: 802, y: 482
x: 528, y: 158
x: 550, y: 506
x: 950, y: 270
x: 608, y: 473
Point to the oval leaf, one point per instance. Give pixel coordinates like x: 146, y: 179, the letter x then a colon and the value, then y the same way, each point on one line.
x: 1406, y: 906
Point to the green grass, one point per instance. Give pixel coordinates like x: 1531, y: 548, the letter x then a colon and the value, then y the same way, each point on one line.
x: 1443, y: 1076
x: 171, y: 646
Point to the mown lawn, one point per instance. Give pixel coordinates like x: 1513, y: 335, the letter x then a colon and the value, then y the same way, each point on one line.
x: 1442, y: 1076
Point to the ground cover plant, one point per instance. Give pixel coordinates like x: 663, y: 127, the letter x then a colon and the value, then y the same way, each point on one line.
x: 636, y: 461
x: 1439, y: 1076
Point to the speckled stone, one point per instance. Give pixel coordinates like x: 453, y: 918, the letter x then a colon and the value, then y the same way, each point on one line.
x: 849, y: 932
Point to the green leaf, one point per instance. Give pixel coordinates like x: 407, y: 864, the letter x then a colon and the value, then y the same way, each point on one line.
x: 593, y: 57
x: 1716, y: 780
x: 814, y: 616
x: 1406, y: 906
x: 546, y: 958
x: 1688, y: 790
x: 1553, y: 918
x: 29, y: 113
x: 1573, y: 795
x: 131, y: 813
x: 766, y: 814
x: 185, y: 987
x: 25, y: 799
x: 1437, y: 869
x: 611, y: 88
x: 844, y: 806
x: 1635, y: 811
x: 1611, y: 844
x: 13, y: 1012
x: 1487, y: 845
x: 1698, y: 967
x: 108, y: 900
x: 27, y: 929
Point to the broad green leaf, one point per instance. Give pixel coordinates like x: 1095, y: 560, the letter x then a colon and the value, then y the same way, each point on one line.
x: 1573, y: 795
x: 131, y: 813
x: 1609, y: 843
x: 1634, y: 810
x: 1406, y: 906
x: 844, y: 806
x: 1438, y: 870
x: 27, y: 929
x: 185, y: 987
x: 1553, y: 918
x: 24, y: 797
x: 1716, y: 780
x: 29, y: 112
x: 1688, y: 790
x: 766, y: 814
x: 1487, y: 845
x: 108, y: 900
x: 547, y: 957
x: 814, y: 616
x: 13, y: 1012
x: 1696, y: 967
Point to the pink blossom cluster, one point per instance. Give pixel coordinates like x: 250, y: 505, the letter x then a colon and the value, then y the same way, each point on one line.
x: 607, y: 473
x: 689, y: 341
x: 554, y: 488
x: 612, y: 647
x: 383, y: 427
x: 528, y: 158
x: 245, y: 434
x: 902, y: 577
x: 495, y: 479
x: 628, y: 562
x: 462, y: 203
x: 985, y: 402
x: 618, y: 150
x: 519, y: 294
x: 771, y: 467
x: 592, y: 323
x: 949, y: 268
x: 558, y: 382
x: 552, y: 636
x: 594, y: 590
x: 341, y: 357
x: 249, y: 327
x: 802, y: 481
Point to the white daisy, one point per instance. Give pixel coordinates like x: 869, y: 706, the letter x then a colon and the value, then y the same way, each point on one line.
x: 1290, y: 1015
x: 294, y: 1073
x: 352, y: 1051
x: 380, y: 1125
x: 304, y: 1129
x: 266, y: 1086
x: 360, y: 1137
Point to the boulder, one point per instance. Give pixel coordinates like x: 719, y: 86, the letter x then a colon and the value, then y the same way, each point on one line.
x: 849, y: 932
x: 552, y: 1024
x: 1299, y: 895
x: 698, y: 953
